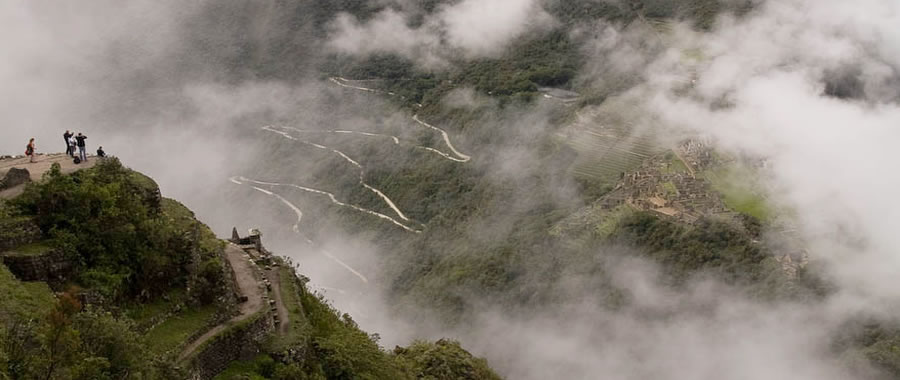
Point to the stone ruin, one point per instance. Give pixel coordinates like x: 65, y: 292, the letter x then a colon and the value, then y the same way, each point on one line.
x: 675, y: 194
x: 252, y: 243
x: 684, y: 197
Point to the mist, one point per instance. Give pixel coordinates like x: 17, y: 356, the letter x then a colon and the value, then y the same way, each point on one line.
x: 811, y: 87
x: 471, y: 28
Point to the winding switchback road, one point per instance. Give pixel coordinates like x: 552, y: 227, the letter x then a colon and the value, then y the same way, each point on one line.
x: 362, y: 172
x: 243, y: 180
x: 456, y: 156
x: 343, y: 83
x: 296, y: 228
x: 463, y: 157
x: 397, y: 141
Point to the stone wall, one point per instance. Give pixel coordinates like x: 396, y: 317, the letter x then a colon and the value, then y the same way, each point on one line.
x: 242, y: 342
x: 51, y: 267
x: 16, y: 232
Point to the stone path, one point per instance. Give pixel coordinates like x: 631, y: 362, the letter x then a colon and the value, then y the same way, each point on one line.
x: 247, y: 284
x: 274, y: 276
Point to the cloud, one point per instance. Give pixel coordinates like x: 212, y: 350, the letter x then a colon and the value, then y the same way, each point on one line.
x: 761, y: 87
x: 830, y: 156
x: 481, y: 28
x: 472, y: 28
x: 387, y: 32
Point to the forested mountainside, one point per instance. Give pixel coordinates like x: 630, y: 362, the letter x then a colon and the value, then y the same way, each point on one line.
x: 102, y: 278
x: 507, y: 182
x: 577, y: 189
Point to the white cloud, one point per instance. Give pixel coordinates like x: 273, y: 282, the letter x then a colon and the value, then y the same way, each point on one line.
x: 386, y: 32
x: 474, y: 28
x: 481, y: 27
x: 834, y: 160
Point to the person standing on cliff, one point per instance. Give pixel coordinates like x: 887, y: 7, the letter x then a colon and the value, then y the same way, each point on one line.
x: 82, y: 151
x: 29, y: 150
x: 69, y: 150
x: 72, y: 143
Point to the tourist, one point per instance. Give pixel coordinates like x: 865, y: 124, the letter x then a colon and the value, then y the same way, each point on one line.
x: 100, y: 152
x: 72, y: 144
x: 82, y: 152
x: 69, y: 148
x: 29, y: 150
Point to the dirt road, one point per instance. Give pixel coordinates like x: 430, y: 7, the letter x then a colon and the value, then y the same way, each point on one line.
x: 247, y: 284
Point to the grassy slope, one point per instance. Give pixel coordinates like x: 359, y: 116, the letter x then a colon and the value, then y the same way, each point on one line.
x: 33, y: 249
x: 335, y: 348
x: 173, y: 333
x: 298, y: 326
x: 23, y: 299
x: 740, y: 189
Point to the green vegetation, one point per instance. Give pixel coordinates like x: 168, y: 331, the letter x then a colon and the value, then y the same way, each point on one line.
x: 669, y: 189
x: 297, y: 324
x: 22, y: 300
x: 261, y: 367
x: 710, y: 246
x: 126, y: 248
x: 864, y: 342
x: 674, y: 165
x: 104, y: 219
x: 338, y: 349
x: 145, y: 313
x: 33, y: 249
x: 443, y: 360
x: 174, y: 332
x: 124, y: 240
x: 62, y: 340
x: 549, y: 60
x: 740, y: 189
x: 342, y: 350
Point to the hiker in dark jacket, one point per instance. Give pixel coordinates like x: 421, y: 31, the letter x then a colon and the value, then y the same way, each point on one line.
x: 101, y: 153
x: 69, y: 149
x: 82, y: 152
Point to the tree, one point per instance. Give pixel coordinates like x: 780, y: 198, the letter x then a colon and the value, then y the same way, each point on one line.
x: 113, y: 340
x: 59, y: 341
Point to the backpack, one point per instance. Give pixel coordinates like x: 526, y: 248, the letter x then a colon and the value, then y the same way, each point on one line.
x: 77, y: 160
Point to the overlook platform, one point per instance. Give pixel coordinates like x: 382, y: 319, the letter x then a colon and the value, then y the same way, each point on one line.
x: 38, y: 168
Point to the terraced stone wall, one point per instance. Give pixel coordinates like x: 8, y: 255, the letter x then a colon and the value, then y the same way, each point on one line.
x: 242, y: 342
x: 16, y: 232
x: 51, y: 267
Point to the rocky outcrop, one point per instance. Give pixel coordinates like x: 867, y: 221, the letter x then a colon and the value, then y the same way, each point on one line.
x: 148, y: 190
x: 16, y: 232
x: 15, y: 177
x: 51, y: 266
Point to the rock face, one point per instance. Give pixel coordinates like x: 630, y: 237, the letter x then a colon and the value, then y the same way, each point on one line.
x: 51, y: 267
x: 16, y: 232
x: 15, y: 177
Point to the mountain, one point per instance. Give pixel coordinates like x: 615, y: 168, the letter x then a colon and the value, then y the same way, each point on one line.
x: 104, y: 278
x: 576, y: 189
